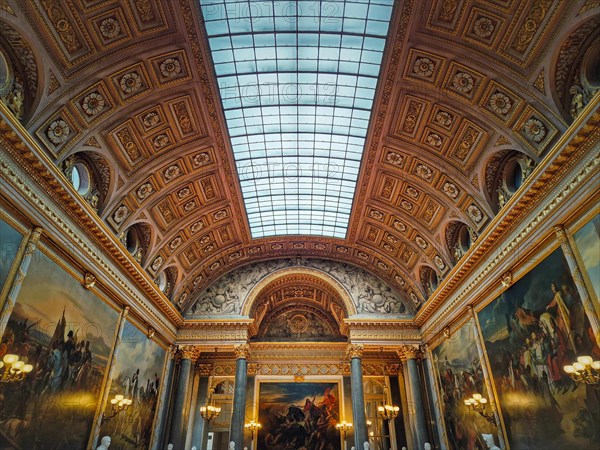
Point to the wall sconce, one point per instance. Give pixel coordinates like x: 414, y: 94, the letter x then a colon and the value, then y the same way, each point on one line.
x: 210, y: 411
x: 344, y: 427
x: 477, y: 404
x: 252, y: 426
x: 119, y: 404
x: 388, y: 412
x: 13, y: 369
x: 585, y: 369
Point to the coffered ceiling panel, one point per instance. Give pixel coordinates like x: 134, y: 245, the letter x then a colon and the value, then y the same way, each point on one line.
x: 132, y: 82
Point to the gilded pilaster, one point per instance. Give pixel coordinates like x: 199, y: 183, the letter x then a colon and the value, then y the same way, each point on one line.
x: 588, y: 305
x: 165, y: 382
x: 17, y: 282
x: 487, y: 378
x: 108, y: 376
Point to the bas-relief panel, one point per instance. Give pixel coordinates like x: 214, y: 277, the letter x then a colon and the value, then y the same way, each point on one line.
x: 10, y: 239
x: 588, y: 243
x: 369, y: 294
x: 299, y: 415
x: 459, y: 375
x: 531, y: 331
x: 66, y: 333
x: 137, y: 371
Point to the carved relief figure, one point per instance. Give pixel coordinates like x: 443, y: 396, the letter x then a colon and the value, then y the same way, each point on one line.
x: 369, y: 294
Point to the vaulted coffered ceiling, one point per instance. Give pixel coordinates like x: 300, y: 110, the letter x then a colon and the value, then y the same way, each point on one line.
x: 130, y: 86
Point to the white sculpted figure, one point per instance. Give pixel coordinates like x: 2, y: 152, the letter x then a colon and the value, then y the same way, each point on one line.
x: 366, y: 446
x: 489, y: 441
x: 170, y: 447
x: 427, y: 446
x: 104, y: 443
x: 231, y: 445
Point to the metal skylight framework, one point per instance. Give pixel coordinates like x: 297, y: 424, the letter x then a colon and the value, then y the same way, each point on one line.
x: 297, y: 80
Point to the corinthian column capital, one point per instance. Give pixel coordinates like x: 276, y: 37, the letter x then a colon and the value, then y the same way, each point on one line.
x: 355, y: 351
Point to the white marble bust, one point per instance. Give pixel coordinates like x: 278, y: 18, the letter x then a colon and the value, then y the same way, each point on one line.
x: 104, y: 443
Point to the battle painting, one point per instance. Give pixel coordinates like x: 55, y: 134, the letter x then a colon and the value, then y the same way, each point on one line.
x: 299, y: 416
x: 531, y: 332
x: 459, y: 375
x: 66, y: 333
x: 136, y: 376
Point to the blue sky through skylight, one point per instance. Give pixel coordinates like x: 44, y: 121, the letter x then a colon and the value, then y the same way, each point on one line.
x: 297, y: 81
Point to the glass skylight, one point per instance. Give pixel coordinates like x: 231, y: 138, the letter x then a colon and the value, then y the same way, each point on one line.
x: 297, y: 81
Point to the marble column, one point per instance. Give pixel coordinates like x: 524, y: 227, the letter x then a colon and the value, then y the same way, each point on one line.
x: 17, y: 282
x: 200, y: 427
x: 409, y: 355
x: 188, y: 355
x: 582, y: 289
x: 103, y: 401
x: 355, y: 352
x: 164, y: 395
x: 236, y: 432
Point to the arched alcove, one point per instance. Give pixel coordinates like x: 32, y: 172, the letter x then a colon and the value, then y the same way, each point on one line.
x: 298, y: 307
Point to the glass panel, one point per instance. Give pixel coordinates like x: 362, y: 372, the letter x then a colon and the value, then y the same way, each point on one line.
x: 297, y: 82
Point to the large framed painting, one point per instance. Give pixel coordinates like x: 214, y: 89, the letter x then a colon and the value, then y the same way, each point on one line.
x: 66, y: 332
x: 459, y: 375
x: 10, y: 240
x: 299, y: 415
x: 587, y: 240
x: 531, y: 332
x: 137, y: 373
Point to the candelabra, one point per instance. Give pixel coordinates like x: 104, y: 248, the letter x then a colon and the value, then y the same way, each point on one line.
x: 388, y: 412
x: 118, y: 404
x: 477, y: 404
x: 585, y: 369
x: 12, y: 369
x: 210, y: 411
x: 344, y: 427
x: 252, y: 426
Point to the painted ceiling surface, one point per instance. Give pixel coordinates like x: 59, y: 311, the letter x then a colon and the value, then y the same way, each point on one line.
x: 137, y: 88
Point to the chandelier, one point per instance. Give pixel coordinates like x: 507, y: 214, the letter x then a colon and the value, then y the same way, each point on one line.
x: 388, y: 412
x: 13, y: 369
x: 477, y: 403
x: 585, y: 369
x: 210, y: 411
x: 118, y: 404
